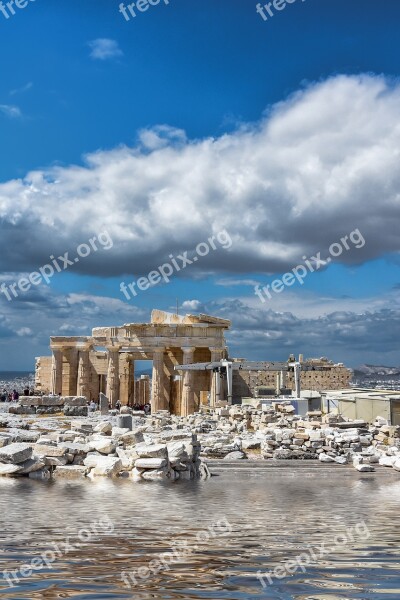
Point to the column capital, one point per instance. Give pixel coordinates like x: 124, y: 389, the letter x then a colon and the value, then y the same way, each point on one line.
x: 188, y: 349
x: 113, y: 348
x: 85, y: 347
x: 159, y: 350
x: 216, y: 349
x: 58, y: 348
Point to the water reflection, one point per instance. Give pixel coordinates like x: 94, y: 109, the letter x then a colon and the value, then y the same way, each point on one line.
x: 273, y: 519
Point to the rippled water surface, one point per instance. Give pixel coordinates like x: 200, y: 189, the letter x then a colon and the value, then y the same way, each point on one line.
x: 256, y: 521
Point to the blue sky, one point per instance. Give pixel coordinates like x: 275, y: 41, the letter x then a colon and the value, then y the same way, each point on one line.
x: 191, y: 118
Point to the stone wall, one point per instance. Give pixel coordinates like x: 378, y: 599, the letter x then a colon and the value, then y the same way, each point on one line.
x: 334, y: 378
x: 43, y: 374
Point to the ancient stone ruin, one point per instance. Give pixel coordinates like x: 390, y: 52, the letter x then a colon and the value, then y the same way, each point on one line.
x: 86, y: 366
x: 105, y: 361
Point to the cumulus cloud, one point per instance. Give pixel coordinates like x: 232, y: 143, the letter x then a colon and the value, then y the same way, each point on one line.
x: 191, y: 304
x: 47, y: 314
x: 318, y: 165
x: 104, y: 49
x: 341, y: 335
x: 257, y: 333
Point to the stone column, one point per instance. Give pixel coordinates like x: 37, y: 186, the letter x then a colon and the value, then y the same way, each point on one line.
x: 70, y: 371
x: 83, y: 374
x: 131, y: 383
x: 142, y: 390
x: 158, y: 400
x: 56, y: 371
x: 113, y: 375
x: 127, y: 380
x: 187, y: 402
x: 216, y: 355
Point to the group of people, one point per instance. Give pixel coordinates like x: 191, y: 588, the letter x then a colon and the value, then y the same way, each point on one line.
x: 146, y: 408
x: 6, y: 396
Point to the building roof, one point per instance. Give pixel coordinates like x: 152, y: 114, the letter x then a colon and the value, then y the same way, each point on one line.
x: 353, y: 394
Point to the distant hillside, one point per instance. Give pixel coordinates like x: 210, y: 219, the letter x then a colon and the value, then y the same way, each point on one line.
x: 374, y: 371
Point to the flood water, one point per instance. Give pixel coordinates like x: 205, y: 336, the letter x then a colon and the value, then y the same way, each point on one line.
x: 219, y: 534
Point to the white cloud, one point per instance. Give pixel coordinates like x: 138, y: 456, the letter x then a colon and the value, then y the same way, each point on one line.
x: 161, y: 136
x: 317, y: 166
x: 259, y: 332
x: 191, y: 304
x: 104, y: 48
x: 72, y: 328
x: 11, y: 111
x: 24, y: 332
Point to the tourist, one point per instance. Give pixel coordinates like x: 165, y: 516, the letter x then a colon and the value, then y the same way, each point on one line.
x: 26, y: 391
x: 92, y: 406
x: 15, y: 395
x: 118, y: 405
x: 3, y: 396
x: 147, y: 408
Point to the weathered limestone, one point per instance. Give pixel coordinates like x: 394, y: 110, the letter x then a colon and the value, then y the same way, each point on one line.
x: 104, y: 446
x: 31, y: 465
x: 127, y: 380
x: 56, y: 371
x: 142, y: 390
x: 103, y: 402
x: 5, y: 439
x: 158, y: 402
x: 187, y: 387
x: 15, y: 453
x: 151, y: 451
x: 70, y: 371
x: 216, y: 355
x: 41, y: 401
x: 50, y: 451
x: 83, y: 373
x: 169, y: 448
x: 71, y: 472
x: 150, y: 463
x: 77, y: 368
x: 113, y: 375
x: 103, y: 466
x: 9, y: 469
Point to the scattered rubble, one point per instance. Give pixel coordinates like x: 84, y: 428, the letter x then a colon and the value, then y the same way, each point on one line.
x: 67, y: 448
x: 171, y: 448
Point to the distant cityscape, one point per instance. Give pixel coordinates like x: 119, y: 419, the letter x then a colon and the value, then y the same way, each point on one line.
x: 365, y: 376
x: 378, y: 377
